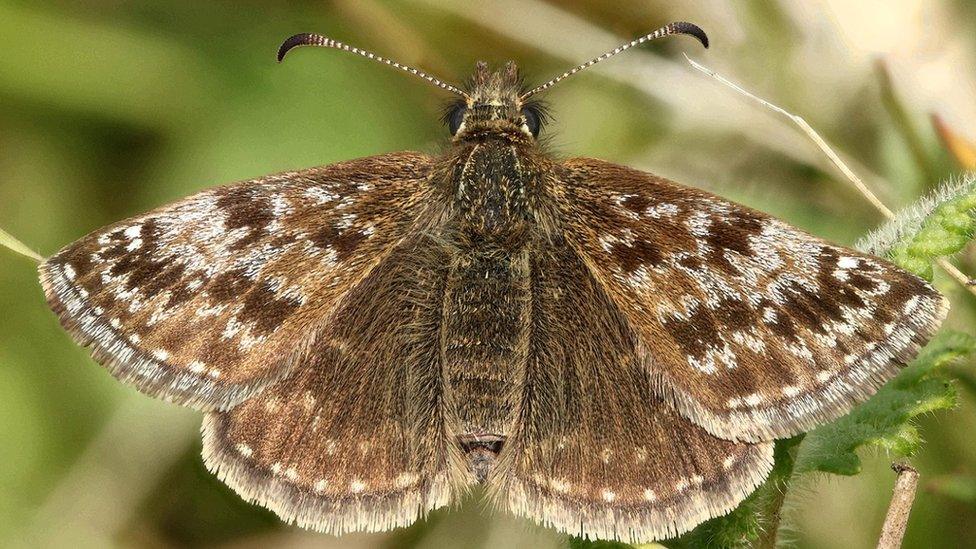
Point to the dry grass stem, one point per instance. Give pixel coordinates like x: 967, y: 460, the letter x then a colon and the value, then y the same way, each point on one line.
x: 14, y: 245
x: 835, y: 159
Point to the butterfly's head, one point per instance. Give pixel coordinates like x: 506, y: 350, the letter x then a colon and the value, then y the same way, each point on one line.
x: 493, y: 103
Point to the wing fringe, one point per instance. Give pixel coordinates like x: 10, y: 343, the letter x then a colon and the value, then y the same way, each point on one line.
x: 305, y: 508
x: 132, y: 366
x: 638, y: 524
x: 834, y: 399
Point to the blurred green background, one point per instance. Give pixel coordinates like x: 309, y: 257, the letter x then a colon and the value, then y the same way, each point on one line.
x: 109, y: 108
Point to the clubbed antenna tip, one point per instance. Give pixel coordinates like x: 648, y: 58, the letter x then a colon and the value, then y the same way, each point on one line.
x: 691, y: 29
x: 680, y: 27
x: 317, y: 40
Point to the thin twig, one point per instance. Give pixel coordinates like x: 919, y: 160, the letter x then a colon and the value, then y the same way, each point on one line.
x: 893, y: 530
x: 956, y: 274
x: 811, y: 133
x: 14, y: 245
x: 835, y: 159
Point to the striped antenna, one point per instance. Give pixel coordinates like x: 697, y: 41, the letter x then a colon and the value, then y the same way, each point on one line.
x: 310, y: 39
x: 680, y: 27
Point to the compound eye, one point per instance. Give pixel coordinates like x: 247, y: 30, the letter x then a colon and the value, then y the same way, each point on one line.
x: 533, y: 120
x: 455, y: 117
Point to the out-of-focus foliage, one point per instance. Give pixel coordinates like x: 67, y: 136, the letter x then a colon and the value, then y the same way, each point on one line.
x: 110, y: 108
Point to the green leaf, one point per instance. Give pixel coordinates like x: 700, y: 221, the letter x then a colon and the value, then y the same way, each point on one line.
x: 886, y: 419
x: 938, y: 225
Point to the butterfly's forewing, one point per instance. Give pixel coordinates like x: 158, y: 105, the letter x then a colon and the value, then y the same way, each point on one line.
x: 206, y: 301
x: 358, y: 437
x: 594, y: 451
x: 751, y: 328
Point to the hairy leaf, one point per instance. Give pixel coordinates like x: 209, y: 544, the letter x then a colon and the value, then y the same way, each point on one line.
x: 935, y: 226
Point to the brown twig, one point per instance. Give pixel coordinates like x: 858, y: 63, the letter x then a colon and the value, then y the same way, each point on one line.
x: 893, y: 530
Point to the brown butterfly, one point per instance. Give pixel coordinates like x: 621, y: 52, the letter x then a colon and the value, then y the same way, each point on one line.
x: 609, y: 352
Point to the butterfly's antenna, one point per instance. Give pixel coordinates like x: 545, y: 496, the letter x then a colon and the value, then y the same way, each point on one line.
x: 309, y: 39
x: 680, y: 27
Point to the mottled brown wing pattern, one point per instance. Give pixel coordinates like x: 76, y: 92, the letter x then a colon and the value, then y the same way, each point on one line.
x: 358, y: 437
x: 593, y: 451
x: 753, y: 329
x: 206, y: 301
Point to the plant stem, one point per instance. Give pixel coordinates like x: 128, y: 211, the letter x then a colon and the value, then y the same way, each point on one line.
x: 893, y: 530
x: 777, y: 485
x: 14, y: 245
x: 946, y: 266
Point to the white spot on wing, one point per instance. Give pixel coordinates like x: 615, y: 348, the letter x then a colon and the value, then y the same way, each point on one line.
x: 665, y: 209
x: 753, y: 400
x: 320, y: 194
x: 405, y: 480
x: 559, y: 485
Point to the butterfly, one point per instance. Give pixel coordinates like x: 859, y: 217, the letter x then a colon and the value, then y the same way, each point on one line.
x: 608, y: 352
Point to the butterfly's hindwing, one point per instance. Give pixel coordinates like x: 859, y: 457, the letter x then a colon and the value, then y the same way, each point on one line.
x: 753, y: 329
x: 208, y: 300
x: 593, y: 451
x: 357, y: 438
